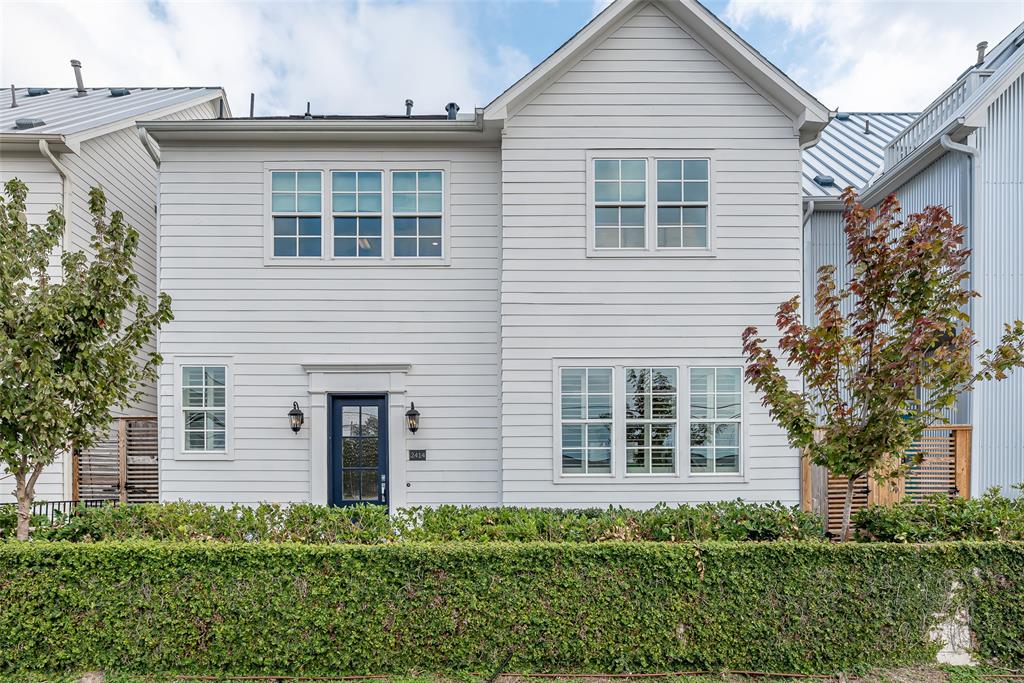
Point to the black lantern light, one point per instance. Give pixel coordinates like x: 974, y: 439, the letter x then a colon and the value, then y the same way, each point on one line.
x: 295, y: 417
x: 412, y: 418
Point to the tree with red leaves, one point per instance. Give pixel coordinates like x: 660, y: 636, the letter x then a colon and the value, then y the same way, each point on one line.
x: 877, y: 376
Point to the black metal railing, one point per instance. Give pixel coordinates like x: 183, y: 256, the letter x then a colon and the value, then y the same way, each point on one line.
x: 55, y: 509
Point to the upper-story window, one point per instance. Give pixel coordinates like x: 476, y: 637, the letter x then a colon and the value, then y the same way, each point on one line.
x: 620, y: 203
x: 357, y: 212
x: 656, y: 203
x: 683, y: 203
x: 417, y: 208
x: 296, y: 205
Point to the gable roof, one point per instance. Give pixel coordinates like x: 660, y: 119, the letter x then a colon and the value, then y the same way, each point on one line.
x: 809, y: 115
x: 851, y: 151
x: 67, y: 117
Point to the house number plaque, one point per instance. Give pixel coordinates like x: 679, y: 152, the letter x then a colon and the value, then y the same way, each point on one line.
x: 417, y: 454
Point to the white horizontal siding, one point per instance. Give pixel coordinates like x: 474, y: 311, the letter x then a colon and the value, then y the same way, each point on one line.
x: 270, y: 320
x: 648, y: 85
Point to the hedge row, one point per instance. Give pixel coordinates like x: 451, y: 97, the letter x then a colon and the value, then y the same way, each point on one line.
x: 991, y: 517
x: 724, y: 521
x: 292, y: 609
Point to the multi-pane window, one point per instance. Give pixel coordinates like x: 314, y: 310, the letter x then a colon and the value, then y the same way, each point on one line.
x: 651, y: 420
x: 204, y: 407
x: 295, y: 208
x: 716, y: 408
x: 620, y: 201
x: 417, y: 205
x: 683, y: 195
x: 357, y: 212
x: 586, y: 411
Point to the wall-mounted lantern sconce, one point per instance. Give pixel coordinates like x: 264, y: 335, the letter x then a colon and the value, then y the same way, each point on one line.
x: 295, y: 417
x: 412, y: 418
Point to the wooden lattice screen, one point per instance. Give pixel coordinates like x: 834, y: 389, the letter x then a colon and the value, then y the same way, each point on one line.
x: 945, y: 468
x: 123, y: 466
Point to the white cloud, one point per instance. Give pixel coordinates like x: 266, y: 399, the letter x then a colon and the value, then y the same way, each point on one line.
x: 881, y: 56
x: 358, y: 57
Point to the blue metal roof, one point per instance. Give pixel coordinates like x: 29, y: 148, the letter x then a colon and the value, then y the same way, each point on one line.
x: 851, y: 150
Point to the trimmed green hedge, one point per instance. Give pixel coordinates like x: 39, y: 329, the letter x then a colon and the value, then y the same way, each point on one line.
x: 304, y: 523
x: 306, y: 609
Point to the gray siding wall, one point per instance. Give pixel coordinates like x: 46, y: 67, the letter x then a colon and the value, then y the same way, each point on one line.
x: 999, y: 264
x: 946, y: 181
x: 649, y: 85
x: 272, y: 319
x: 45, y: 192
x: 119, y: 164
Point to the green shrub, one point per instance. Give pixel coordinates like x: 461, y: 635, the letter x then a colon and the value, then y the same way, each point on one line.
x: 303, y: 523
x: 722, y: 521
x: 9, y: 521
x: 301, y: 610
x: 183, y: 521
x: 992, y: 517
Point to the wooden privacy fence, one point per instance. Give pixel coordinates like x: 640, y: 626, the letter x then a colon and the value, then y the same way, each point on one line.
x: 945, y: 468
x: 122, y: 466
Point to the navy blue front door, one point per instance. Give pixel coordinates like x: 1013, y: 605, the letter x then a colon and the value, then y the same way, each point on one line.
x: 358, y: 462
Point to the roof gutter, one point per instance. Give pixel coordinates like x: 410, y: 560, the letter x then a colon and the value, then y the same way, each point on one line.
x: 65, y: 181
x: 149, y: 144
x: 311, y: 126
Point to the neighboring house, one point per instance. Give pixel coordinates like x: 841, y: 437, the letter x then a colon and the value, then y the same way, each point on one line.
x: 63, y: 141
x: 558, y: 282
x: 965, y: 151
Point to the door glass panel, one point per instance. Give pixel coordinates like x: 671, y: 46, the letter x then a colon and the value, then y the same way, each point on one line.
x: 350, y: 484
x: 370, y: 485
x: 369, y: 421
x: 350, y: 421
x: 350, y: 453
x: 369, y: 452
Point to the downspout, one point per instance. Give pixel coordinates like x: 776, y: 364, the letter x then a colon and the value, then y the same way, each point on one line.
x: 65, y: 182
x: 147, y: 143
x: 67, y: 460
x: 973, y: 232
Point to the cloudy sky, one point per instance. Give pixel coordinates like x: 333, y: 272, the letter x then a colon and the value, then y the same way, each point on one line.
x: 363, y: 56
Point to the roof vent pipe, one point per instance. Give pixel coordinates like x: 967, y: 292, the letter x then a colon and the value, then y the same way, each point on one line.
x: 77, y: 66
x: 220, y: 108
x: 452, y: 110
x: 252, y: 104
x: 14, y: 102
x: 308, y: 115
x: 867, y: 126
x: 982, y: 46
x: 408, y: 107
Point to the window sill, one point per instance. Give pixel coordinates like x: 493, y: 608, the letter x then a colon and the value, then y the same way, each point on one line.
x: 651, y: 253
x: 211, y: 456
x: 367, y: 262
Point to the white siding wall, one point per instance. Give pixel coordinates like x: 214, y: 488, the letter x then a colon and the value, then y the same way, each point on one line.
x: 271, y: 319
x: 44, y: 193
x: 649, y: 85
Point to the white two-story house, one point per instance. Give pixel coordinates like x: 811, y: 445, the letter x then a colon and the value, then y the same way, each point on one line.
x: 556, y: 283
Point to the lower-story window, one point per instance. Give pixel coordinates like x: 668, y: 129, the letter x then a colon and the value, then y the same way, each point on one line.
x: 651, y: 420
x: 204, y: 408
x: 716, y: 416
x: 586, y: 408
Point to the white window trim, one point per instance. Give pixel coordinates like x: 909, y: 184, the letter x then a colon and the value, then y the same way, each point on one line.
x: 651, y: 205
x: 387, y: 257
x: 229, y: 418
x: 619, y: 476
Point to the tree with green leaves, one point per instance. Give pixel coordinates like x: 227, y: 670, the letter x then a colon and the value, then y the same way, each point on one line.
x: 71, y: 343
x: 878, y: 375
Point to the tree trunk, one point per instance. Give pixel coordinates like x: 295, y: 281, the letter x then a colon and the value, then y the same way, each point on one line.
x: 847, y: 505
x: 24, y: 509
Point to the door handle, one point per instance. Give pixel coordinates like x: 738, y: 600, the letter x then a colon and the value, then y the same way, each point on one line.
x: 383, y: 485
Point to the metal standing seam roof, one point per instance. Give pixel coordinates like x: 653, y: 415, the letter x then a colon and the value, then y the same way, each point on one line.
x: 849, y: 154
x: 64, y: 113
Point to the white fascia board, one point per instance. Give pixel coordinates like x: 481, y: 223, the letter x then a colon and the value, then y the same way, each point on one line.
x: 11, y: 143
